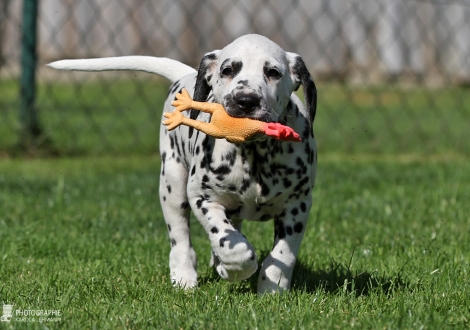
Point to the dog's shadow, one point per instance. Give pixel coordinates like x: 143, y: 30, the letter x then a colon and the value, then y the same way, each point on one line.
x: 337, y: 278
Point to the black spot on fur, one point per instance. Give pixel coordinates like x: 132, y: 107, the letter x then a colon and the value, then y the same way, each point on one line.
x: 306, y: 133
x: 287, y: 183
x: 214, y: 230
x: 279, y: 229
x: 222, y: 241
x: 169, y: 189
x: 309, y: 152
x: 163, y: 163
x: 211, y: 56
x: 193, y: 170
x: 204, y: 210
x: 245, y: 184
x: 301, y: 183
x: 231, y: 157
x: 264, y: 189
x: 174, y: 87
x: 184, y: 205
x: 303, y: 207
x: 265, y: 217
x: 199, y: 202
x: 294, y: 211
x: 169, y: 227
x: 203, y: 162
x: 289, y: 230
x: 298, y: 227
x: 236, y: 67
x: 221, y: 170
x: 299, y: 162
x: 173, y: 242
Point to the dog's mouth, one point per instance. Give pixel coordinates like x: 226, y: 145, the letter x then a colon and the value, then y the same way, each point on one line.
x: 247, y: 105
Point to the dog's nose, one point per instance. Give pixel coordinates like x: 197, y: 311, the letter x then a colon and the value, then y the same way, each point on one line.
x: 248, y: 102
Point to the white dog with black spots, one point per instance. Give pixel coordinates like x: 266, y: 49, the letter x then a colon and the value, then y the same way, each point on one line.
x: 224, y: 183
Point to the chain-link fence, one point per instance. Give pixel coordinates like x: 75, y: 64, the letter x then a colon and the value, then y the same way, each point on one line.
x: 392, y: 75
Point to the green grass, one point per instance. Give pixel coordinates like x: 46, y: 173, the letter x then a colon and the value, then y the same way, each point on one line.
x: 387, y: 247
x: 122, y: 116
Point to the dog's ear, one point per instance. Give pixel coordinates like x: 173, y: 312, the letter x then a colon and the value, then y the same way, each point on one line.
x: 205, y: 72
x: 301, y: 76
x: 202, y: 88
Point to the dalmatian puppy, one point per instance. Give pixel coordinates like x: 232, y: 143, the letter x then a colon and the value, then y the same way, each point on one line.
x: 224, y: 183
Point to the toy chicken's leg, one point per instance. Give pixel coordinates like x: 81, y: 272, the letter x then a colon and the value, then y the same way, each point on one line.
x: 184, y: 102
x: 176, y: 118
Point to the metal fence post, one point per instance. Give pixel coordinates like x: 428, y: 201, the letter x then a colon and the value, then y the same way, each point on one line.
x: 30, y: 128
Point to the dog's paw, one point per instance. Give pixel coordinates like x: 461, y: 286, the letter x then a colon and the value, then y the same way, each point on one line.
x: 183, y: 266
x: 236, y: 272
x: 274, y: 276
x: 235, y: 258
x: 184, y: 281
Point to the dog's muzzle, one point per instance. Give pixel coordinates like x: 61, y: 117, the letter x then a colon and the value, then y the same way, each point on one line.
x: 246, y: 105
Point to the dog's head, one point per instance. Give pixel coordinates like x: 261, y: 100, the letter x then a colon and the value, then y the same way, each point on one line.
x: 253, y: 77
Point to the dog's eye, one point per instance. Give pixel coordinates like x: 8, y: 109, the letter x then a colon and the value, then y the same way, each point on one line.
x: 273, y: 74
x: 227, y: 71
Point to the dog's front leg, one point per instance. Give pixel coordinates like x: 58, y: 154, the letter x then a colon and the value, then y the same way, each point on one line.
x: 277, y: 268
x: 233, y: 256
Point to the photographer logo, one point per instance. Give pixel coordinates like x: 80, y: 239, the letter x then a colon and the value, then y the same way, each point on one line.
x: 30, y: 315
x: 7, y: 313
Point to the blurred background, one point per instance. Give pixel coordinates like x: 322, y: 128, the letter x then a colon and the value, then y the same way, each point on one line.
x: 393, y: 76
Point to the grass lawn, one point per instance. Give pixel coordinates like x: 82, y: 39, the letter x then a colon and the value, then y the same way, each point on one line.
x: 387, y: 247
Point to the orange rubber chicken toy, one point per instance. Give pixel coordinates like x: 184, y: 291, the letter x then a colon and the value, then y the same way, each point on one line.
x: 221, y: 125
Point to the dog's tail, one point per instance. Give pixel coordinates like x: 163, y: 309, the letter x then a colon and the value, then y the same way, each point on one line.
x: 168, y: 68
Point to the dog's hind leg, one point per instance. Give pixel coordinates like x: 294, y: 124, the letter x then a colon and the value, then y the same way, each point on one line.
x: 176, y: 210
